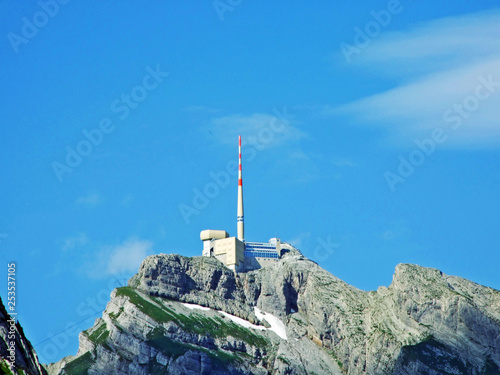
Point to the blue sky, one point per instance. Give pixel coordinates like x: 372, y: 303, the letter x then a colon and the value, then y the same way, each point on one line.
x: 371, y: 135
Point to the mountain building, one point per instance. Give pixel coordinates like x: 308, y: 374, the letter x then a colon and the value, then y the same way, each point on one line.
x: 236, y: 253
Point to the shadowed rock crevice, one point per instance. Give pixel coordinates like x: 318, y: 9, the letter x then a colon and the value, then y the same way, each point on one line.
x: 433, y: 357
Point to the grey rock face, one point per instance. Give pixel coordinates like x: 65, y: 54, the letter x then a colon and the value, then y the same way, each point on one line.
x: 424, y: 322
x: 26, y: 359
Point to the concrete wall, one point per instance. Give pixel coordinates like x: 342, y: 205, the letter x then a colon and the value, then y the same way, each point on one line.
x: 211, y: 234
x: 230, y: 251
x: 207, y: 246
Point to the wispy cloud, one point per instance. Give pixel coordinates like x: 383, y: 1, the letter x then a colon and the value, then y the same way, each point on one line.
x: 128, y: 256
x: 299, y: 240
x: 89, y: 201
x: 439, y: 66
x: 442, y: 44
x: 268, y: 129
x: 121, y: 258
x: 71, y: 243
x: 278, y: 131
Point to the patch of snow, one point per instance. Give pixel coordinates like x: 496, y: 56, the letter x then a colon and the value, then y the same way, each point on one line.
x: 276, y: 324
x: 196, y: 307
x: 293, y: 311
x: 242, y: 322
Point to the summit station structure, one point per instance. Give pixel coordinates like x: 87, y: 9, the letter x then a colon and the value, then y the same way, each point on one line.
x: 235, y: 252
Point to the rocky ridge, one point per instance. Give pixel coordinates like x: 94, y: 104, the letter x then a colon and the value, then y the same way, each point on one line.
x: 424, y: 322
x: 12, y: 337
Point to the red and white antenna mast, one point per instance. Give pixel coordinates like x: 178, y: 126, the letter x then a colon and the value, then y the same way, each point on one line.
x: 241, y: 217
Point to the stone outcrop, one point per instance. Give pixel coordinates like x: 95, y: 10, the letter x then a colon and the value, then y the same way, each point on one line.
x: 424, y: 322
x: 12, y: 340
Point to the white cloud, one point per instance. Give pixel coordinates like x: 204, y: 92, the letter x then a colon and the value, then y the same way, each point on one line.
x: 440, y: 65
x: 118, y: 261
x: 263, y: 129
x: 70, y: 243
x: 127, y: 256
x: 438, y: 44
x: 299, y: 240
x: 89, y: 201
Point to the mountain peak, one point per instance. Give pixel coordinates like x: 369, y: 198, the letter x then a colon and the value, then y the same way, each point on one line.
x: 181, y: 314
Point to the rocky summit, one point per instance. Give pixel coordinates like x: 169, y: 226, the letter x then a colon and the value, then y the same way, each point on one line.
x: 183, y: 315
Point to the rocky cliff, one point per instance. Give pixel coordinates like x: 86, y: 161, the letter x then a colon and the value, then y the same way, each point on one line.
x: 17, y: 356
x: 194, y: 316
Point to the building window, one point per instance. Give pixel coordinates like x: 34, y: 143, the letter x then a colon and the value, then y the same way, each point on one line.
x: 254, y: 253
